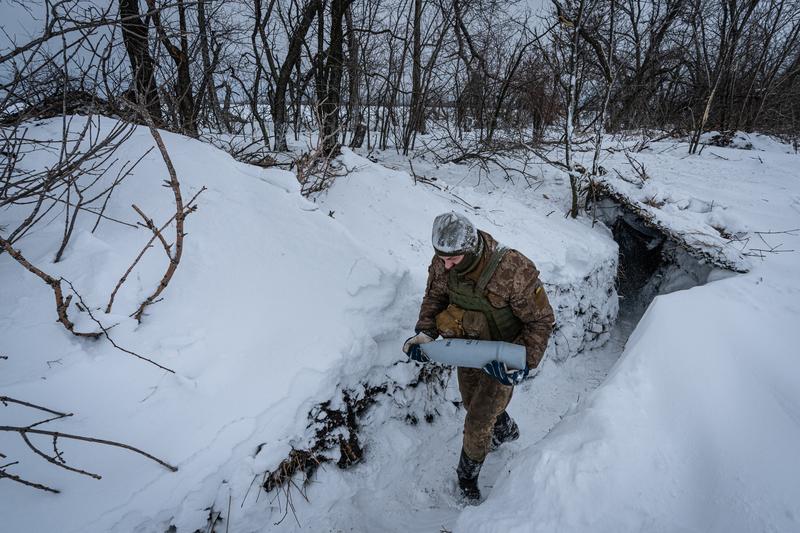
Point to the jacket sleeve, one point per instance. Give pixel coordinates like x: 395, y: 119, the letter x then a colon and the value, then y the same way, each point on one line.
x: 530, y: 304
x: 435, y: 300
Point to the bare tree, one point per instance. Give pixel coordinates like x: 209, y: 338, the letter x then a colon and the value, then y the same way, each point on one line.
x: 730, y: 20
x: 284, y: 71
x: 571, y: 16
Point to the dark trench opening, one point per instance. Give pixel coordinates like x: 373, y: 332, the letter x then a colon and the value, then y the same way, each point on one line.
x: 649, y: 264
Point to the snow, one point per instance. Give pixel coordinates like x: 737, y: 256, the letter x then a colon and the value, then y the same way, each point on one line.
x: 714, y: 201
x: 281, y: 303
x: 278, y: 304
x: 696, y: 427
x: 694, y: 430
x: 272, y: 305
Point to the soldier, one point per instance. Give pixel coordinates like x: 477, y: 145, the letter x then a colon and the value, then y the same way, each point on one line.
x: 479, y: 289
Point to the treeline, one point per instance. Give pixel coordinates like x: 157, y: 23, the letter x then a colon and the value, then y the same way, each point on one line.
x: 382, y: 72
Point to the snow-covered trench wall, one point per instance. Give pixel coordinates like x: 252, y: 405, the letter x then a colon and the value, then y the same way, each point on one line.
x: 586, y: 310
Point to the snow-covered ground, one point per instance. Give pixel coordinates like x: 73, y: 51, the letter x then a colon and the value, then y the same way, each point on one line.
x: 696, y: 428
x: 280, y: 304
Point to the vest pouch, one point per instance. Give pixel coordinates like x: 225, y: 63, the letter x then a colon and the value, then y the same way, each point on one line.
x: 476, y: 326
x: 450, y: 322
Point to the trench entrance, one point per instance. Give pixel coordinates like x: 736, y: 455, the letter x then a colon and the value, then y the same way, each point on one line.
x: 649, y: 265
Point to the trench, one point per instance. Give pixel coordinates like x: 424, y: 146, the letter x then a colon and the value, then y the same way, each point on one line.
x: 406, y: 481
x: 650, y: 264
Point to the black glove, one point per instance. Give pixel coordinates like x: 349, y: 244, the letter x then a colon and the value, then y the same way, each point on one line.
x: 416, y: 353
x: 412, y: 349
x: 501, y: 373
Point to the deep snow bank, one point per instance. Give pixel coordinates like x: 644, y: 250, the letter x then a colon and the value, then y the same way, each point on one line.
x: 273, y: 305
x: 697, y: 427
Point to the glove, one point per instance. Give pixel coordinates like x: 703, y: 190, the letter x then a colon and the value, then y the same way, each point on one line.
x: 416, y: 353
x: 501, y: 373
x: 412, y: 349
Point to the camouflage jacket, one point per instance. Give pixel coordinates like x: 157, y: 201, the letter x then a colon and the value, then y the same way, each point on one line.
x: 515, y: 283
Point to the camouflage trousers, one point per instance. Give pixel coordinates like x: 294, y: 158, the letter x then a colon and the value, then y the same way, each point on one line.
x: 484, y: 398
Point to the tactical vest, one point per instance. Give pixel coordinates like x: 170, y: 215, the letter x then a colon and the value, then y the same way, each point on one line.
x: 503, y: 324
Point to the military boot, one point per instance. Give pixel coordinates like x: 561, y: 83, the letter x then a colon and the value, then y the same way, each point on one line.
x: 468, y: 471
x: 505, y: 430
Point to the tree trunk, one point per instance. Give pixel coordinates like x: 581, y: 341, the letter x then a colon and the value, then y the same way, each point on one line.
x: 180, y: 56
x: 354, y: 74
x: 135, y: 37
x: 184, y: 87
x: 332, y: 80
x: 278, y: 108
x: 416, y: 121
x: 208, y: 91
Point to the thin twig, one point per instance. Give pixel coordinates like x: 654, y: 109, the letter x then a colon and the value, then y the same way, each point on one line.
x: 62, y: 304
x: 248, y: 490
x: 52, y: 460
x: 148, y: 223
x: 12, y: 477
x: 180, y: 214
x: 23, y: 430
x: 107, y: 336
x: 124, y: 277
x: 6, y: 399
x: 228, y: 516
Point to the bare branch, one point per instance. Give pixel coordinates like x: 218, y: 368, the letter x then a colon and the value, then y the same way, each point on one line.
x: 26, y: 430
